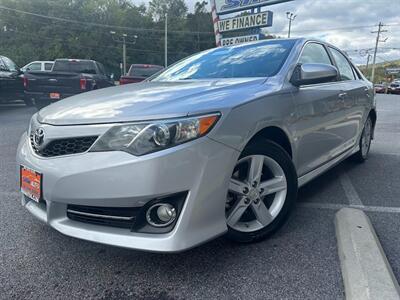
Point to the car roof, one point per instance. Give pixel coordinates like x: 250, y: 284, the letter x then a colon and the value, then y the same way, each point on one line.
x: 145, y: 66
x: 74, y: 59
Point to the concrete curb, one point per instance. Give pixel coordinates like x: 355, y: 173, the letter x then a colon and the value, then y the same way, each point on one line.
x: 365, y: 269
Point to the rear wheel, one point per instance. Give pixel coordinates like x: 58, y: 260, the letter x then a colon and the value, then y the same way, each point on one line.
x: 261, y: 193
x: 365, y: 142
x: 28, y: 101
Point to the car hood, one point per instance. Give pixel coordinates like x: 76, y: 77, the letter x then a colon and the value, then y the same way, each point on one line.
x: 151, y: 100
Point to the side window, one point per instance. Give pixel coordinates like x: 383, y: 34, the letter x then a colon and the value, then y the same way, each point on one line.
x: 34, y: 67
x: 314, y: 53
x: 2, y: 65
x: 48, y: 66
x: 343, y: 65
x: 101, y: 68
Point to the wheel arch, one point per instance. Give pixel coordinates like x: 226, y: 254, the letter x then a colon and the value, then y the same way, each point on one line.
x: 276, y: 135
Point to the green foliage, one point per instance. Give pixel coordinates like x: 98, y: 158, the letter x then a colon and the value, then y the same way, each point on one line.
x: 25, y: 37
x: 380, y: 75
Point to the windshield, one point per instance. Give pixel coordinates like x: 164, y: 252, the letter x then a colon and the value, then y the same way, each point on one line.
x: 250, y: 60
x: 74, y: 66
x: 143, y: 71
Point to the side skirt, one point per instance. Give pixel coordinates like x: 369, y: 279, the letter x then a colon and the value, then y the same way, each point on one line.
x: 330, y: 164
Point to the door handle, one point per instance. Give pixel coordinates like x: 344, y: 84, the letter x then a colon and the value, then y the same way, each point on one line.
x: 342, y: 95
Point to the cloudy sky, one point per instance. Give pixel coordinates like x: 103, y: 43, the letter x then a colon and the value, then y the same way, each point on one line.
x: 344, y: 23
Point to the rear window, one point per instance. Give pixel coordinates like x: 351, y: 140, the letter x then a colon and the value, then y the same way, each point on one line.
x: 74, y: 66
x: 143, y: 71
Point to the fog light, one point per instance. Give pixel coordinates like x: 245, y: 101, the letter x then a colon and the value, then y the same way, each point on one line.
x: 161, y: 214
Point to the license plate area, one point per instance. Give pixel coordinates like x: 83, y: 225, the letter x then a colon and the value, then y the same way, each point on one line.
x: 31, y: 183
x: 55, y: 96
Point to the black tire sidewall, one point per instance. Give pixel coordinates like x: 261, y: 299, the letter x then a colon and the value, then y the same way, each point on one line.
x: 277, y: 153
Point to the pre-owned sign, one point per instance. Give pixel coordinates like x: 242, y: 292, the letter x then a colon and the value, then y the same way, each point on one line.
x: 263, y: 19
x: 229, y: 6
x: 240, y: 40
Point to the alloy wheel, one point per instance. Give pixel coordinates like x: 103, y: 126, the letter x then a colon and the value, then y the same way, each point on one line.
x: 256, y: 194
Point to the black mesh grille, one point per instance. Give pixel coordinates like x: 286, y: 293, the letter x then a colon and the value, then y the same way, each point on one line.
x: 65, y: 146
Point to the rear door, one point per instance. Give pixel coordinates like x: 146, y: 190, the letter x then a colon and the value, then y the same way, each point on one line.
x: 11, y: 83
x: 319, y: 114
x: 356, y: 99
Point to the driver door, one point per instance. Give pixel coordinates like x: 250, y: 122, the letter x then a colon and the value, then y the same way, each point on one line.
x: 319, y: 110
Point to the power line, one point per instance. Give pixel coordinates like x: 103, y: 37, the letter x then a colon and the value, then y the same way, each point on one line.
x: 41, y: 36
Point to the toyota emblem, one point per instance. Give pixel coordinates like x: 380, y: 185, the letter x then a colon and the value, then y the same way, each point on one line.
x: 38, y: 137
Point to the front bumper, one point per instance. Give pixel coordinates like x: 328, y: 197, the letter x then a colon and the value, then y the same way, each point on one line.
x: 117, y: 179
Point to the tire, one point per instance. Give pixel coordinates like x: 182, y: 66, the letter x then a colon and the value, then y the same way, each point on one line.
x: 28, y: 101
x: 278, y: 176
x: 40, y: 104
x: 365, y: 142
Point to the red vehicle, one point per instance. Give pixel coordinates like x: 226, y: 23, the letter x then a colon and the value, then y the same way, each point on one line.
x: 380, y: 88
x: 139, y: 72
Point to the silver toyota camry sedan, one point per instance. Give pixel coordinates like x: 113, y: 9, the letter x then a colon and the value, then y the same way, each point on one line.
x: 217, y: 143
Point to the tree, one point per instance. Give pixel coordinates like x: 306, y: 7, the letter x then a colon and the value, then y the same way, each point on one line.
x: 176, y: 9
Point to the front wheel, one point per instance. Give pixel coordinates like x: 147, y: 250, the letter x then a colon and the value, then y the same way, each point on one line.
x: 262, y: 191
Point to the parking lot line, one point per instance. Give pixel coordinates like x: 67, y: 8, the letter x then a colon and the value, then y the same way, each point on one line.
x: 336, y: 206
x: 349, y: 190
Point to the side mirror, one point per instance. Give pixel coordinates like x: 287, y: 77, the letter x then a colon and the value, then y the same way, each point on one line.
x: 313, y: 74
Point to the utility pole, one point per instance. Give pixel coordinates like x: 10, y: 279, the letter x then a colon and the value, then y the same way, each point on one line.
x: 366, y: 68
x: 291, y: 16
x: 124, y: 35
x: 378, y: 33
x: 124, y: 42
x: 166, y: 41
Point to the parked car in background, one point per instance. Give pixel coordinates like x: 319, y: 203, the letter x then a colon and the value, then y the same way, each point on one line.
x: 394, y: 88
x: 217, y: 143
x: 67, y: 78
x: 44, y: 66
x: 380, y: 88
x: 11, y: 82
x: 139, y: 72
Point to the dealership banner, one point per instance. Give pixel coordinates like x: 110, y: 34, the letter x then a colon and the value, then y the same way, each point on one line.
x: 230, y: 6
x: 240, y: 40
x: 259, y: 20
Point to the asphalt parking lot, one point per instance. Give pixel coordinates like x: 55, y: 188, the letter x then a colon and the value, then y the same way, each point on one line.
x: 299, y: 262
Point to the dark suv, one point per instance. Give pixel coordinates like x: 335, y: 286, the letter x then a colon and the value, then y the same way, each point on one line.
x: 11, y: 82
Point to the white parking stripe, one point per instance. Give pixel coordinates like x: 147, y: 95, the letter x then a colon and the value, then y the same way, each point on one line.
x: 336, y: 206
x: 349, y: 190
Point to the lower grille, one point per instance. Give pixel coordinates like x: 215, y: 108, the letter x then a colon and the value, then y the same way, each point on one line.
x: 122, y: 217
x: 64, y: 146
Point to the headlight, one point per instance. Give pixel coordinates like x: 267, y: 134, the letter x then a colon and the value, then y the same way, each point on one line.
x: 142, y: 138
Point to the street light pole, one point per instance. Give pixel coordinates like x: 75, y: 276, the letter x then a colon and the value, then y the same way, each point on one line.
x: 366, y: 68
x: 124, y: 42
x: 291, y: 16
x: 166, y: 41
x: 124, y: 52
